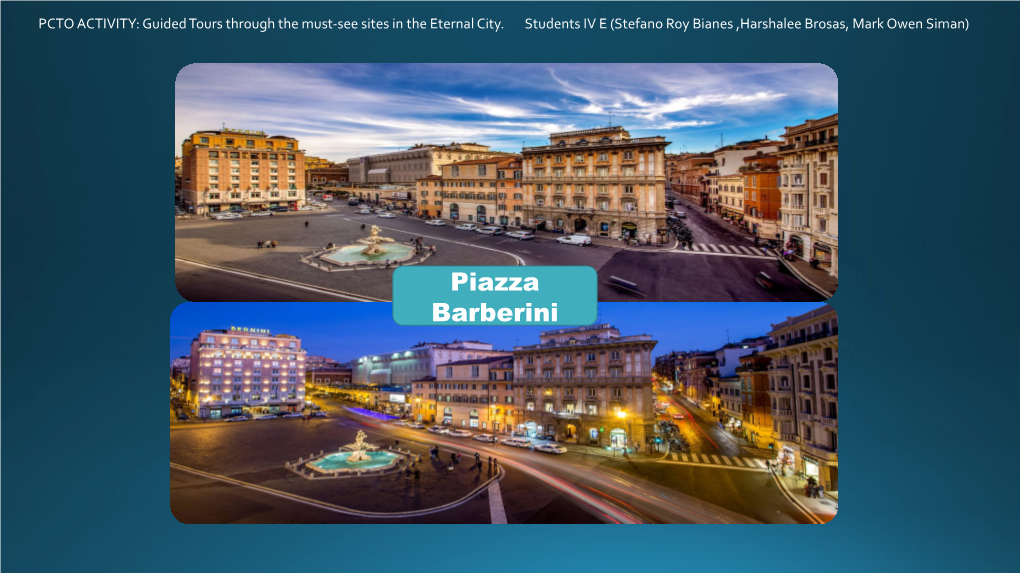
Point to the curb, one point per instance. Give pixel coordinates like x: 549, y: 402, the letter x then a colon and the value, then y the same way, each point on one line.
x: 793, y: 499
x: 804, y: 279
x: 337, y: 508
x: 356, y: 297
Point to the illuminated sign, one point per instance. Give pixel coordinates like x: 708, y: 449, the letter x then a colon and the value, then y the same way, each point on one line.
x: 399, y: 398
x: 245, y: 132
x: 247, y: 330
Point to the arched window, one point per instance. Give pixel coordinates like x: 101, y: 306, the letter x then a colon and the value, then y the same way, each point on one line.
x: 455, y: 211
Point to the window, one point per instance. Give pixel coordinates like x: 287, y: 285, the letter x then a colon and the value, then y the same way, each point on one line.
x: 617, y: 392
x: 593, y: 410
x: 474, y: 371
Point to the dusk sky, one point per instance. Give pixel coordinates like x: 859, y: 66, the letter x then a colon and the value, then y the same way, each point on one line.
x: 342, y: 111
x: 349, y: 330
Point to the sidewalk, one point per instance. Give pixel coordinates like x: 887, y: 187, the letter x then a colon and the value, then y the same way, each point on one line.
x: 820, y: 279
x: 823, y: 509
x: 608, y: 453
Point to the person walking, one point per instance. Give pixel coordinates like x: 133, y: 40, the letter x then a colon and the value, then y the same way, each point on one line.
x: 407, y: 473
x: 306, y: 224
x: 478, y: 457
x: 417, y: 477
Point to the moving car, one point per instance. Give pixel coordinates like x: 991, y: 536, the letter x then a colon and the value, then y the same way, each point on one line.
x: 678, y: 416
x: 459, y: 434
x: 626, y: 287
x: 416, y: 426
x: 292, y: 415
x: 280, y: 209
x: 490, y: 231
x: 380, y: 211
x: 436, y: 223
x: 467, y: 227
x: 579, y: 240
x: 238, y: 419
x: 260, y: 214
x: 487, y: 438
x: 364, y: 212
x: 400, y: 422
x: 438, y: 430
x: 680, y: 215
x: 551, y: 449
x: 517, y: 442
x: 521, y: 235
x: 306, y: 208
x: 320, y: 415
x: 387, y: 216
x: 227, y: 216
x: 266, y: 417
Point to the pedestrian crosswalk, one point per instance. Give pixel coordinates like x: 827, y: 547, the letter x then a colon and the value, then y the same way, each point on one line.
x: 733, y: 250
x: 721, y: 461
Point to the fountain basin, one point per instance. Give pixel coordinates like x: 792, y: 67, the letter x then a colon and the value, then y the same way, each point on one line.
x: 337, y: 463
x: 351, y: 255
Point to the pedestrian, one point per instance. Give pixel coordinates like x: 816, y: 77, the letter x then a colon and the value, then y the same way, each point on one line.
x: 407, y: 473
x: 417, y: 476
x: 495, y: 463
x: 306, y: 224
x: 387, y: 263
x: 433, y: 249
x: 478, y: 457
x: 397, y: 444
x: 362, y: 227
x: 260, y: 244
x: 821, y: 491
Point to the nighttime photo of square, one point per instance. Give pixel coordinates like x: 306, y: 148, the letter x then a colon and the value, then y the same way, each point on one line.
x: 311, y: 413
x: 675, y: 182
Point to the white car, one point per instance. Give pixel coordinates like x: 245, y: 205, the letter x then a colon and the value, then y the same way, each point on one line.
x: 438, y: 430
x: 551, y: 449
x: 436, y: 223
x: 459, y: 434
x: 579, y: 240
x: 266, y: 417
x: 228, y: 217
x: 521, y: 235
x: 306, y: 208
x: 490, y: 231
x: 680, y: 215
x: 387, y: 216
x: 467, y: 227
x: 516, y: 442
x: 237, y: 419
x: 416, y: 426
x: 380, y: 211
x: 293, y: 415
x: 400, y: 422
x: 487, y: 438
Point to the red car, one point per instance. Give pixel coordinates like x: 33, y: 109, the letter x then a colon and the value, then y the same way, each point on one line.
x: 678, y: 416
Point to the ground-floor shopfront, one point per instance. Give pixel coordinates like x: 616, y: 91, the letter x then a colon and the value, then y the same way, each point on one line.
x: 608, y: 432
x: 809, y: 462
x: 808, y: 247
x: 221, y: 411
x: 618, y: 225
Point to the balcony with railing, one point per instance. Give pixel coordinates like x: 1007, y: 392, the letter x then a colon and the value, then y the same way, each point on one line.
x: 596, y: 144
x: 829, y: 422
x: 822, y: 452
x: 592, y: 178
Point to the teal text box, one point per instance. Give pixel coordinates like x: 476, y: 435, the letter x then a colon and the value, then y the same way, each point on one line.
x: 495, y: 296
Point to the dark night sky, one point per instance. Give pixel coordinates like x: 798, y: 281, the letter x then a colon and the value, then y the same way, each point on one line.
x: 348, y: 330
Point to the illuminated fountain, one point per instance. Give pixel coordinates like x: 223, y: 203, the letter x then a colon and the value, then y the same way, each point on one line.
x: 356, y: 458
x: 377, y: 250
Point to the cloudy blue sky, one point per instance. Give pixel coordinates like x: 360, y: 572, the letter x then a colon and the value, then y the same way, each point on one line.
x: 340, y: 111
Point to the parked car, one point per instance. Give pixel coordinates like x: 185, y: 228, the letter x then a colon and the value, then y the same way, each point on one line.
x: 266, y: 417
x: 363, y: 212
x: 293, y: 415
x: 227, y: 216
x: 380, y: 211
x: 680, y: 215
x: 517, y: 442
x: 436, y: 223
x: 280, y: 209
x: 416, y: 426
x: 459, y: 434
x: 521, y: 235
x: 579, y: 240
x: 467, y: 227
x: 235, y: 419
x: 387, y: 216
x: 438, y: 430
x: 551, y: 449
x: 490, y: 231
x: 678, y: 416
x: 320, y: 415
x: 400, y: 422
x: 260, y: 214
x: 306, y: 208
x: 487, y: 438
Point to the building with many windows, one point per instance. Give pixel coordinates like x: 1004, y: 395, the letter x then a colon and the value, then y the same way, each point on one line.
x: 324, y: 177
x: 483, y: 191
x: 476, y: 393
x: 245, y: 371
x: 691, y: 176
x: 235, y: 169
x: 762, y: 197
x: 588, y: 385
x: 755, y: 402
x: 724, y: 176
x: 599, y: 182
x: 810, y: 186
x: 804, y: 393
x: 403, y: 367
x: 421, y: 161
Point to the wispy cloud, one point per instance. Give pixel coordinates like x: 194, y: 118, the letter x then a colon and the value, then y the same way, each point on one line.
x: 344, y: 110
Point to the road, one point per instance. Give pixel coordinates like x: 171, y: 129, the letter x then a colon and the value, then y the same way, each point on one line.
x: 723, y: 270
x: 571, y: 488
x: 198, y: 282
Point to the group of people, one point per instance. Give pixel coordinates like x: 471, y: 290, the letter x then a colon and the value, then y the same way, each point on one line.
x: 455, y: 460
x: 813, y: 489
x: 268, y: 244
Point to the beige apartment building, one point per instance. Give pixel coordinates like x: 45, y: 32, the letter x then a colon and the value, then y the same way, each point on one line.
x: 724, y: 175
x: 482, y: 191
x: 414, y: 164
x: 599, y: 182
x: 804, y: 391
x: 589, y: 386
x: 809, y: 183
x: 236, y: 170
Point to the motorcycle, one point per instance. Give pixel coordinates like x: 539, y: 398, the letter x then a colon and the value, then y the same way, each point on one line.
x: 626, y: 287
x: 765, y: 281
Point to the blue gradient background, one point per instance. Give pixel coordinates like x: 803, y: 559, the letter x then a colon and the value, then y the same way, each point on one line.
x: 925, y: 302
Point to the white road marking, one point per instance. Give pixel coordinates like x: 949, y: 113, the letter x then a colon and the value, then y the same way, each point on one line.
x: 760, y: 463
x: 677, y: 458
x: 717, y: 462
x: 727, y: 461
x: 724, y: 249
x: 686, y: 459
x: 302, y: 286
x: 714, y: 249
x: 496, y: 505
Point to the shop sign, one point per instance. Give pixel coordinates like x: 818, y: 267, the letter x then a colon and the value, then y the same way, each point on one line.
x: 249, y: 330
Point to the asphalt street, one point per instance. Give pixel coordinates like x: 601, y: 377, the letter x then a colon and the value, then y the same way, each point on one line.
x: 539, y: 488
x: 723, y: 272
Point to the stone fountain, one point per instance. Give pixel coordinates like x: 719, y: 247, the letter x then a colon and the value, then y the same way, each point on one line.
x: 372, y: 250
x: 357, y: 458
x: 359, y: 448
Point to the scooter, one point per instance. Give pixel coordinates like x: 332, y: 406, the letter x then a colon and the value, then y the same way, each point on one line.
x: 765, y: 281
x: 626, y: 287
